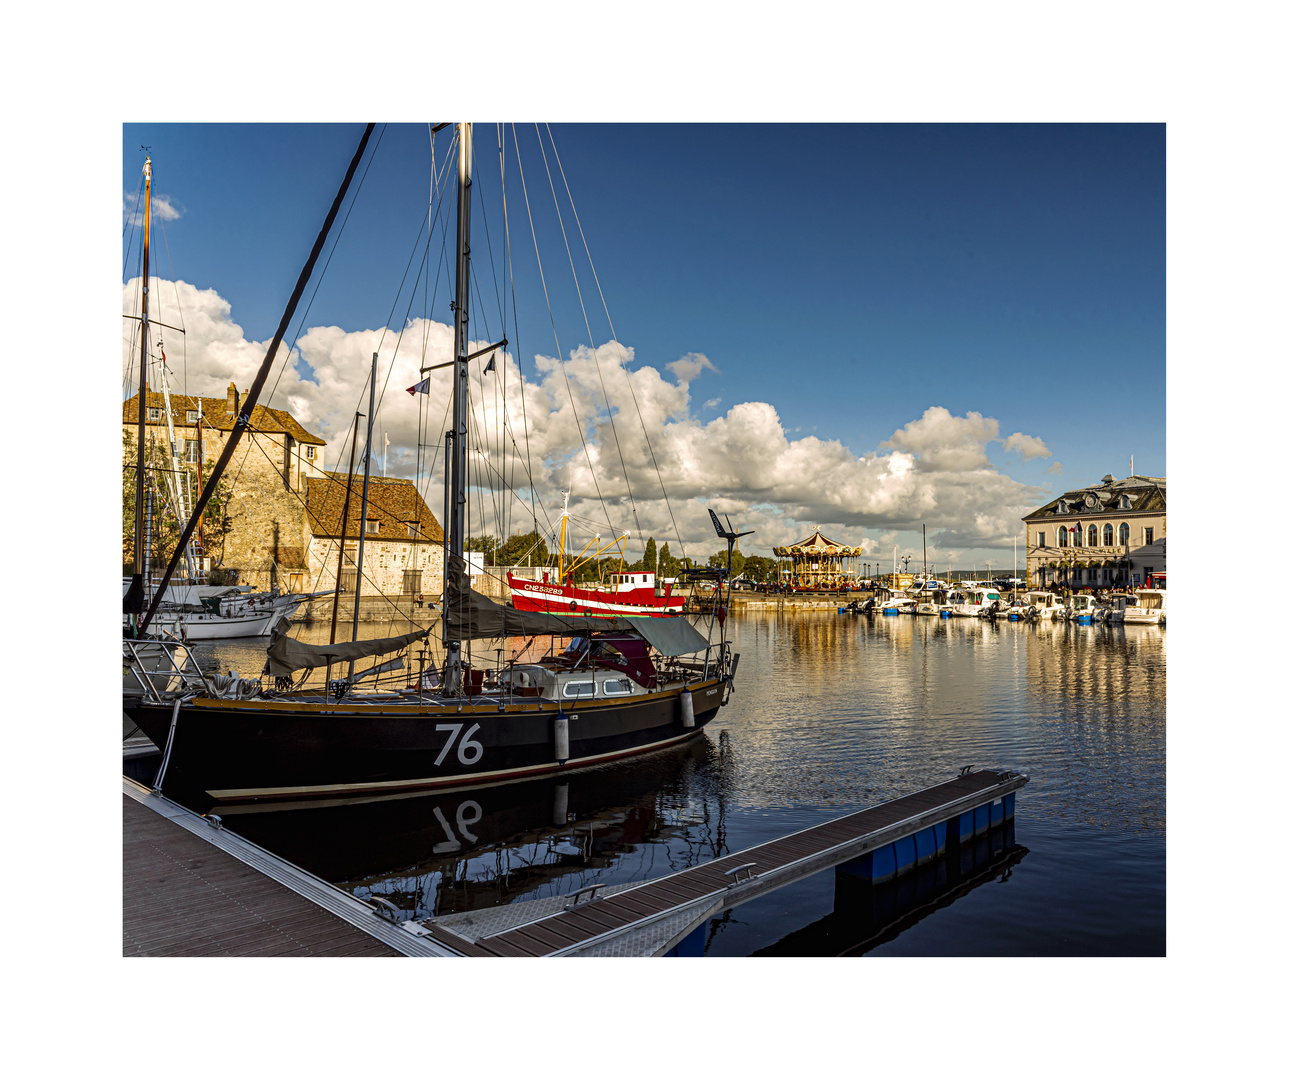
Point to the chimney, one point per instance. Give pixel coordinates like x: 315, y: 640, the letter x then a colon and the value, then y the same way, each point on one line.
x: 234, y: 399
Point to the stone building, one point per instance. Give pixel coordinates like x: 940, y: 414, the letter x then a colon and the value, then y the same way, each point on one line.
x: 285, y: 508
x: 402, y: 540
x: 1110, y: 534
x: 268, y: 540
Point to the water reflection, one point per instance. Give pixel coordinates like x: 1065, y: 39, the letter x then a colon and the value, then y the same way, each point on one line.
x: 831, y: 713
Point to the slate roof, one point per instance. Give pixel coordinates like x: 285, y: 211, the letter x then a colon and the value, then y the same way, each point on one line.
x: 216, y: 414
x: 1147, y: 494
x: 393, y: 502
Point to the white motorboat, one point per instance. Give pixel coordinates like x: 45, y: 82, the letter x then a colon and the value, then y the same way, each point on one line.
x: 977, y: 602
x: 899, y: 603
x: 1041, y: 605
x: 1150, y: 609
x: 1085, y: 609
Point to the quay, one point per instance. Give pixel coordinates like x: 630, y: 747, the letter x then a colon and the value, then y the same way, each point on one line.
x: 192, y: 887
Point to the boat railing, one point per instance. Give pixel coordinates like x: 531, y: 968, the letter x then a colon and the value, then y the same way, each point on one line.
x: 183, y: 667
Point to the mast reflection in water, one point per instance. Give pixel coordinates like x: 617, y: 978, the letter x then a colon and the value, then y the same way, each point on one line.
x: 831, y: 713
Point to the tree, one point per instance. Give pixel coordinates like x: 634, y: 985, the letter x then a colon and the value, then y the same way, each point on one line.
x: 486, y: 544
x: 528, y: 549
x: 736, y: 567
x: 759, y: 568
x: 651, y: 556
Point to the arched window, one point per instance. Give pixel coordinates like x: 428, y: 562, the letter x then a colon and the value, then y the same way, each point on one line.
x: 1063, y: 537
x: 1078, y: 535
x: 1123, y: 534
x: 1107, y: 535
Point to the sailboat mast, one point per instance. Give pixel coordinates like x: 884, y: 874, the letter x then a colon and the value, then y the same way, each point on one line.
x: 460, y: 389
x: 362, y: 520
x: 134, y: 598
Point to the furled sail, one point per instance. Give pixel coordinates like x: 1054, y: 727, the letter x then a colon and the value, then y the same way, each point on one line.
x: 286, y: 655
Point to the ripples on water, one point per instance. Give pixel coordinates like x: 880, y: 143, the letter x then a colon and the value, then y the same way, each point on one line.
x: 831, y: 713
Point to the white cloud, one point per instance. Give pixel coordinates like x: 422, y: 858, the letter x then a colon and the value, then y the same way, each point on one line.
x: 162, y: 209
x: 1028, y: 445
x: 711, y: 403
x: 934, y: 470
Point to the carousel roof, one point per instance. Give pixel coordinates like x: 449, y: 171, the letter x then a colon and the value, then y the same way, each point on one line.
x: 817, y: 544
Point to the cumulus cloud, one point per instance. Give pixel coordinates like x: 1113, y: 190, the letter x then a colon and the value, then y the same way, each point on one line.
x: 1055, y: 468
x: 1028, y: 445
x: 626, y: 441
x: 162, y: 209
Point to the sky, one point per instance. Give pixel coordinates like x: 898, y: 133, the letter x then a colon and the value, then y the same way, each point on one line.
x: 862, y: 327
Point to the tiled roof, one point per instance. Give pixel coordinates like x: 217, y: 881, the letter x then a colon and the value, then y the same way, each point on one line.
x: 1148, y: 494
x: 216, y: 414
x: 394, y: 503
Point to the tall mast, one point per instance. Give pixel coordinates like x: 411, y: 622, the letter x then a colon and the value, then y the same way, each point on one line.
x: 456, y: 478
x: 362, y: 523
x: 133, y: 603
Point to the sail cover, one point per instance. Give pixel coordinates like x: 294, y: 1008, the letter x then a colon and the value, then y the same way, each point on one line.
x: 471, y: 615
x: 286, y: 655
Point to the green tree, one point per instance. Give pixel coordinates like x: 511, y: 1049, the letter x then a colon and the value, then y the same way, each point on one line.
x: 528, y: 549
x: 759, y: 568
x: 486, y: 544
x: 651, y: 556
x: 736, y: 566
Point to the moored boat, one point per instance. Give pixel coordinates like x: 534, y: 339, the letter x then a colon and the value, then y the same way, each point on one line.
x: 1151, y: 608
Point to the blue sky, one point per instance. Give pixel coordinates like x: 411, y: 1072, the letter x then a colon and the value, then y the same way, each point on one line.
x: 850, y: 277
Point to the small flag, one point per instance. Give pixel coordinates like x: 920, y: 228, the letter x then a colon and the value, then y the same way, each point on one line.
x: 422, y: 387
x: 492, y: 364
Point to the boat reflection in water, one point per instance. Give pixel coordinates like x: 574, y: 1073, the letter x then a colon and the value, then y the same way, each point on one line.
x: 463, y: 850
x: 866, y: 915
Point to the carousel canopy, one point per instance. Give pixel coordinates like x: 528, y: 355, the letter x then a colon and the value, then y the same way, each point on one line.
x: 818, y: 544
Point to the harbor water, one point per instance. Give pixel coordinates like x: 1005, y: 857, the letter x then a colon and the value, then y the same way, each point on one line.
x: 831, y: 713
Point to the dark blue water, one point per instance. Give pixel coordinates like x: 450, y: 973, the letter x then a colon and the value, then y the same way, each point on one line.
x: 830, y: 714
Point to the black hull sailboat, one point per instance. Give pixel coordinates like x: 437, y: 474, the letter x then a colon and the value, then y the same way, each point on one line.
x: 620, y: 686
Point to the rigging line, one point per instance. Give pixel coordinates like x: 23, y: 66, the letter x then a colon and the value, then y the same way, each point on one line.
x: 327, y: 264
x: 558, y: 348
x: 614, y: 333
x: 577, y: 285
x: 510, y: 262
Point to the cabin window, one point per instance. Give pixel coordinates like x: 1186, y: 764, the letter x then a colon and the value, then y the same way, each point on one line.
x: 579, y: 689
x: 1107, y: 535
x: 154, y: 414
x: 1150, y: 538
x: 373, y: 526
x: 193, y: 416
x: 617, y: 686
x: 1063, y: 537
x: 1123, y: 534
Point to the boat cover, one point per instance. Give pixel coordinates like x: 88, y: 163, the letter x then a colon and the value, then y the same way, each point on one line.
x: 286, y: 655
x: 471, y: 615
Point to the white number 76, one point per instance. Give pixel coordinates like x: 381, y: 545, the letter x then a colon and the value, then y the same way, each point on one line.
x: 468, y: 751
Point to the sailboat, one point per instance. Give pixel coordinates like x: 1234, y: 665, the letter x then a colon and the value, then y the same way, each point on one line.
x: 615, y: 686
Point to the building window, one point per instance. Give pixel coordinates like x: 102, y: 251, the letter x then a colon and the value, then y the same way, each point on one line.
x: 348, y: 580
x: 1078, y: 536
x: 1107, y: 535
x: 412, y: 582
x: 309, y: 451
x: 1063, y: 537
x: 1123, y: 534
x: 373, y: 526
x: 192, y: 447
x: 1150, y: 536
x: 193, y: 416
x: 154, y: 414
x: 1042, y: 539
x: 414, y: 530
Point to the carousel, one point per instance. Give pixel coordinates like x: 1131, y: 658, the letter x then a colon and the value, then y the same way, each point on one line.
x: 820, y: 565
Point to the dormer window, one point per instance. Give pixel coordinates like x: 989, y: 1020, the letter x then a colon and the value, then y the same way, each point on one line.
x: 1125, y: 503
x: 373, y: 526
x: 154, y: 415
x: 414, y: 530
x: 1062, y: 507
x: 193, y: 416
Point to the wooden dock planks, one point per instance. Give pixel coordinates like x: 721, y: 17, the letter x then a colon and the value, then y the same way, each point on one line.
x: 182, y: 897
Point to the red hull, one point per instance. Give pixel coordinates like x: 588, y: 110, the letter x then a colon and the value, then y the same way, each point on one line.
x: 560, y: 599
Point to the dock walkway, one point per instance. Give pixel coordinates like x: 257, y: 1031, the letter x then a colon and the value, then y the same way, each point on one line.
x: 181, y: 897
